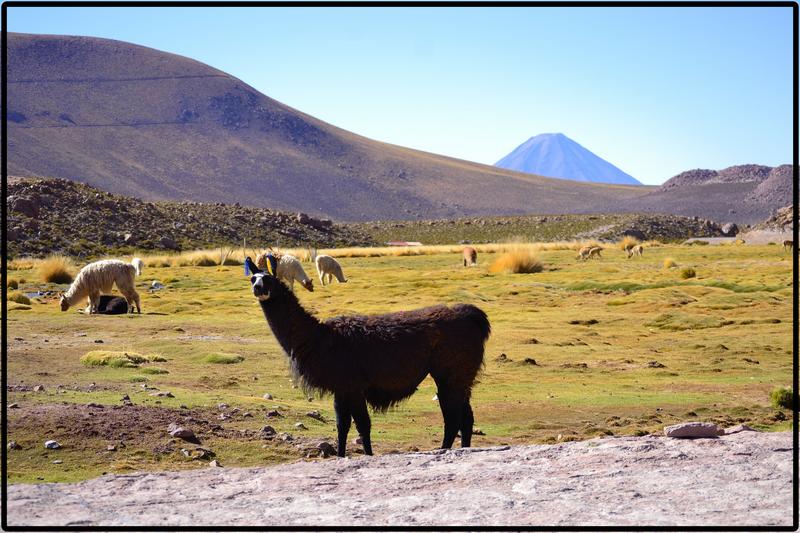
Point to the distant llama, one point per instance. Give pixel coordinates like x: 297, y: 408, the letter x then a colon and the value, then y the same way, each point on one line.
x: 594, y: 251
x: 99, y: 277
x: 637, y: 250
x: 470, y: 255
x: 289, y: 269
x: 788, y: 245
x: 328, y: 268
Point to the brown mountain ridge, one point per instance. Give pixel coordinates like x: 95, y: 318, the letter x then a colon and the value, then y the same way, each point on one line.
x: 157, y: 126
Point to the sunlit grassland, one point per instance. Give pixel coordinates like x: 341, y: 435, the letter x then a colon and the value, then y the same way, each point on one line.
x: 622, y: 347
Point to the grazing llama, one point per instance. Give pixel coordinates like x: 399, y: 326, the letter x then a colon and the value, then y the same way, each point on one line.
x: 381, y: 359
x: 99, y: 277
x: 636, y: 250
x: 289, y: 269
x: 470, y: 255
x: 328, y: 268
x: 594, y: 251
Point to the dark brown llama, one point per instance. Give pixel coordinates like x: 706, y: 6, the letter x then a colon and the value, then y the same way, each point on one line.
x: 381, y: 359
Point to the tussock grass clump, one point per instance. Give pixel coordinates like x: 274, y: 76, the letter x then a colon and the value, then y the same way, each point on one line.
x: 55, y: 269
x: 203, y: 261
x: 687, y: 273
x: 25, y: 263
x: 138, y: 379
x: 781, y: 398
x: 13, y: 284
x: 153, y: 370
x: 627, y: 242
x: 118, y: 359
x: 517, y: 262
x: 221, y: 358
x: 19, y: 298
x: 670, y: 263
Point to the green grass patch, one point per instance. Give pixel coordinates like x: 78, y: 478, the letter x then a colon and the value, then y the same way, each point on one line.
x: 223, y: 358
x: 115, y: 359
x: 153, y: 370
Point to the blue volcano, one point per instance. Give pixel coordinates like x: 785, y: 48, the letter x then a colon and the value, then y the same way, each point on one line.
x: 557, y: 156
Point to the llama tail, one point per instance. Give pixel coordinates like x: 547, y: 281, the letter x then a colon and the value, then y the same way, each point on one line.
x: 137, y: 264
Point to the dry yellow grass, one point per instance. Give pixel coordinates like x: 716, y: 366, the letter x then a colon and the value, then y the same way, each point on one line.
x: 55, y: 269
x: 670, y: 263
x: 627, y: 242
x: 521, y: 261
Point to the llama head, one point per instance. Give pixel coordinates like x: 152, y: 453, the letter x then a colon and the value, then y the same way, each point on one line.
x: 64, y: 303
x: 262, y: 282
x: 308, y: 284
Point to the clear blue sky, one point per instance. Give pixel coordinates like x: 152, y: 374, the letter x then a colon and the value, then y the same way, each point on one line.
x: 654, y: 91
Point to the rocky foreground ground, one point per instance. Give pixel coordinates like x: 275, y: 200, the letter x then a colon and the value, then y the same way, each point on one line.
x: 742, y: 479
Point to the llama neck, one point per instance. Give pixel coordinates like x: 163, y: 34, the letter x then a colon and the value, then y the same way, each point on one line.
x: 296, y: 329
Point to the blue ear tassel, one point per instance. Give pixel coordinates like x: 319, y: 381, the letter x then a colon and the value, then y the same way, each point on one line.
x: 247, y: 262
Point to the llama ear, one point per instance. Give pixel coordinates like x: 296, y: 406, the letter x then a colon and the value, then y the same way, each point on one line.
x: 250, y: 267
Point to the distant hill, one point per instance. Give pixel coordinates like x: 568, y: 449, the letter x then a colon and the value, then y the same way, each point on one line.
x: 557, y: 156
x: 745, y: 194
x: 157, y: 126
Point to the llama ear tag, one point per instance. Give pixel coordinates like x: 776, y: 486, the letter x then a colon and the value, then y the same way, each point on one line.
x: 272, y: 264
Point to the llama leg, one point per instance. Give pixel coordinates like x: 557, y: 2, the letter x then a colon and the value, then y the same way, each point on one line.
x: 451, y: 406
x: 363, y: 423
x: 341, y: 405
x: 467, y: 420
x: 322, y: 279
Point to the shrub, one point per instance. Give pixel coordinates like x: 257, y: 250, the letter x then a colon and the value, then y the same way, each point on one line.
x: 55, y: 269
x: 517, y: 262
x: 19, y: 298
x: 687, y: 273
x: 223, y: 358
x: 781, y: 398
x: 13, y: 284
x: 138, y: 379
x: 627, y: 242
x: 670, y: 263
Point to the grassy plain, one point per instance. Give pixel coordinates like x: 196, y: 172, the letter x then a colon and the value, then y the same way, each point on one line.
x: 613, y: 346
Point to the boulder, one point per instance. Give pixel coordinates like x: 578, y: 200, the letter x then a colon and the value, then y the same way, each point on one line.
x: 169, y: 243
x: 183, y: 433
x: 693, y: 430
x: 635, y: 233
x: 27, y: 206
x: 730, y: 229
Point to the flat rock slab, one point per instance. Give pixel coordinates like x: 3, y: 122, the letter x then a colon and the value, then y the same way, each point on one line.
x: 743, y: 479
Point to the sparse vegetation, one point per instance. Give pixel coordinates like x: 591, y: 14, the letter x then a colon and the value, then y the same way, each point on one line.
x: 520, y: 261
x: 55, y: 269
x: 12, y: 284
x: 781, y: 398
x: 153, y: 370
x: 670, y: 263
x: 741, y: 309
x: 687, y: 273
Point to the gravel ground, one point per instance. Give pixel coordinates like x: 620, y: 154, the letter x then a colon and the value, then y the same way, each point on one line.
x: 743, y: 479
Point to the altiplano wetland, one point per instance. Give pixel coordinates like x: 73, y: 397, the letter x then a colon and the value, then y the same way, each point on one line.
x: 609, y: 346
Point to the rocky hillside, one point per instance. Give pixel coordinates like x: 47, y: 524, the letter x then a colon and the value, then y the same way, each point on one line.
x: 743, y: 194
x: 61, y: 216
x: 158, y: 126
x: 783, y: 220
x: 665, y: 228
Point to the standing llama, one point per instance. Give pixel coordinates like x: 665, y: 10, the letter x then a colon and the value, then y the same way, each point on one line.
x: 470, y: 255
x: 328, y: 268
x: 636, y: 250
x: 380, y: 359
x: 99, y: 277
